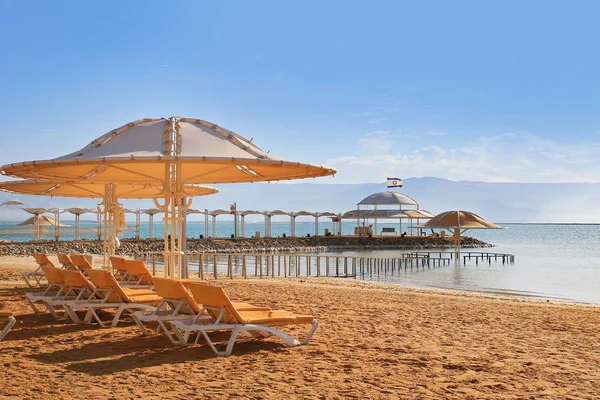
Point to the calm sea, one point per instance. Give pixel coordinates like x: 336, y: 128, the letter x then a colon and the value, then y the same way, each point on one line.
x: 558, y: 262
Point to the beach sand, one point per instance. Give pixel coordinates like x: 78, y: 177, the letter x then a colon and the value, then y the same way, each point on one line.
x: 375, y: 341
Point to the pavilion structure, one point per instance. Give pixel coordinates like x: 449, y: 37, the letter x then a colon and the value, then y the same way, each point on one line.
x: 385, y: 206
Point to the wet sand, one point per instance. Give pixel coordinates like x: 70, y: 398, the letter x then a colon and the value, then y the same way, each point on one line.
x: 375, y: 341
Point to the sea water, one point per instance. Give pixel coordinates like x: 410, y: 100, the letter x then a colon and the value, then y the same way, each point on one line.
x: 558, y: 262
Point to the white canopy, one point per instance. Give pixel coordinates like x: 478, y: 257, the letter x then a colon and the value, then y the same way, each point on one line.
x: 137, y: 153
x: 388, y: 199
x: 383, y: 214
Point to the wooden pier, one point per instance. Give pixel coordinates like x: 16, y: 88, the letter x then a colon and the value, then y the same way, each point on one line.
x: 270, y: 265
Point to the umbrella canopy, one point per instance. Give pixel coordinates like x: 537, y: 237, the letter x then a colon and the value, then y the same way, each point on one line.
x: 387, y: 199
x: 138, y: 151
x: 97, y: 190
x: 387, y: 214
x: 42, y: 220
x: 170, y: 152
x: 461, y: 220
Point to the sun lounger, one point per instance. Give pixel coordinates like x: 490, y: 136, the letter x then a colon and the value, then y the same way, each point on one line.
x: 225, y: 316
x: 81, y: 263
x: 178, y: 303
x: 118, y: 267
x: 114, y: 296
x: 35, y: 278
x: 77, y: 290
x: 56, y: 290
x: 136, y: 273
x: 10, y: 321
x: 66, y: 261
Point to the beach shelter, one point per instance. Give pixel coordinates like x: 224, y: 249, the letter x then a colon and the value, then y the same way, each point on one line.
x: 458, y: 222
x: 110, y: 208
x: 39, y: 222
x: 170, y: 152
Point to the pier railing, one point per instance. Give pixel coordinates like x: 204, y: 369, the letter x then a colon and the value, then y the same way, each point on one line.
x: 262, y: 265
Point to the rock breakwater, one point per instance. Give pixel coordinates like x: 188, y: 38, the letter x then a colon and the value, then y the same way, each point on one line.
x: 130, y: 247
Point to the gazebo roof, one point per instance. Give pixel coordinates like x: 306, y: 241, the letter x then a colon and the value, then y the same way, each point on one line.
x: 388, y: 199
x: 384, y: 214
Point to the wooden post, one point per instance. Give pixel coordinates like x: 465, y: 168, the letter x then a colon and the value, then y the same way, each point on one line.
x: 215, y: 266
x: 279, y: 266
x: 326, y: 265
x: 318, y: 266
x: 272, y: 266
x: 285, y: 270
x: 230, y: 266
x: 337, y: 266
x: 244, y: 271
x: 260, y: 266
x: 201, y: 266
x: 154, y: 264
x: 256, y: 265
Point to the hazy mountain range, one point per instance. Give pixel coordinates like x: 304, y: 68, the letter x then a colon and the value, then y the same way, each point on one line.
x: 499, y: 202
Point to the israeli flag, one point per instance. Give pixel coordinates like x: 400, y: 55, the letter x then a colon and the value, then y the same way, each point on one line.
x: 394, y: 182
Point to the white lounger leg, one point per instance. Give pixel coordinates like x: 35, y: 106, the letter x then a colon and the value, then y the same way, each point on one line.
x: 183, y: 331
x: 11, y: 322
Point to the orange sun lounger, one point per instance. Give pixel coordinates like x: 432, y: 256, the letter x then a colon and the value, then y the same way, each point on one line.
x: 65, y: 261
x: 7, y: 317
x: 81, y: 263
x: 136, y: 273
x: 56, y: 290
x: 114, y: 296
x: 225, y: 316
x: 35, y: 278
x: 179, y: 303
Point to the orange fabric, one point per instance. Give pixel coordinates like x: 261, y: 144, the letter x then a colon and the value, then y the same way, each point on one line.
x: 42, y: 259
x: 105, y: 280
x: 65, y: 260
x: 132, y: 292
x: 53, y: 275
x: 117, y: 263
x: 80, y: 262
x: 76, y: 279
x: 215, y: 297
x: 5, y: 314
x: 138, y: 268
x: 172, y: 289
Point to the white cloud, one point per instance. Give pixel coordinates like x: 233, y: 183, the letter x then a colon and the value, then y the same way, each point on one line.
x: 509, y: 157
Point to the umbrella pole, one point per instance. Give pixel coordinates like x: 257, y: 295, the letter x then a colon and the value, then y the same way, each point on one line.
x: 457, y: 246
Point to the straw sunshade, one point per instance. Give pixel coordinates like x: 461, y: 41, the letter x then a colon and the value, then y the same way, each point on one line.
x: 459, y: 222
x: 41, y: 220
x: 169, y: 152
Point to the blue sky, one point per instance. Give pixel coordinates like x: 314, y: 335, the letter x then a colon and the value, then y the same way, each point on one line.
x: 463, y: 90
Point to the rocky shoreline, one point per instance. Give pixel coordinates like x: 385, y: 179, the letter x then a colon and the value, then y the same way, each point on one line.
x: 131, y: 247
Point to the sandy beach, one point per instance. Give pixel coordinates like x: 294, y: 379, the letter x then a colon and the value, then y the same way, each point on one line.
x: 375, y: 341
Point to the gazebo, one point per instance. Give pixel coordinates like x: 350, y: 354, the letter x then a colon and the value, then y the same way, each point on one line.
x: 385, y: 205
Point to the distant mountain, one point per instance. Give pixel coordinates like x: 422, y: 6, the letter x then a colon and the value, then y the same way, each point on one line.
x: 499, y: 202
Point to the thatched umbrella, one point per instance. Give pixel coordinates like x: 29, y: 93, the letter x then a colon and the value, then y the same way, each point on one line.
x: 459, y: 222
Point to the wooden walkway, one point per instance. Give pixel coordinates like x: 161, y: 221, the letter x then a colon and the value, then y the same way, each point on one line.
x: 264, y: 265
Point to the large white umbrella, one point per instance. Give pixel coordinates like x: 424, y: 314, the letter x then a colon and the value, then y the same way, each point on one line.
x: 170, y: 152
